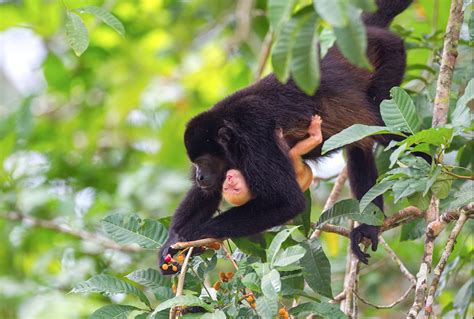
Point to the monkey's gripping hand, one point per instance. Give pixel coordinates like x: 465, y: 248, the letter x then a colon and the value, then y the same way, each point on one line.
x: 164, y: 256
x: 357, y: 234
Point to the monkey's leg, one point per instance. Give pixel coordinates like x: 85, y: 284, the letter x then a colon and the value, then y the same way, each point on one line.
x: 362, y: 176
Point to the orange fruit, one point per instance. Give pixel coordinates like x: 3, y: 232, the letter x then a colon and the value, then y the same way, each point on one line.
x: 175, y: 269
x: 164, y: 267
x: 222, y: 276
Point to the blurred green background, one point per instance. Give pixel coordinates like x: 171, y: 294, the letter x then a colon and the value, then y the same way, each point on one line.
x: 81, y: 137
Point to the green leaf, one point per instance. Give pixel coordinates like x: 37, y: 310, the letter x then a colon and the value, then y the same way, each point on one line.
x: 326, y: 41
x: 189, y: 301
x: 276, y: 243
x: 254, y: 245
x: 349, y: 208
x: 279, y: 11
x: 271, y: 284
x: 304, y: 219
x: 267, y: 307
x: 352, y: 39
x: 442, y: 186
x: 109, y: 285
x: 113, y: 312
x: 289, y: 256
x: 323, y: 309
x: 105, y: 16
x: 147, y: 233
x: 316, y: 268
x: 420, y: 200
x: 464, y: 196
x: 219, y: 314
x: 434, y: 136
x: 251, y: 281
x: 304, y: 59
x: 396, y: 154
x: 374, y: 192
x: 282, y: 50
x: 150, y: 278
x: 464, y: 297
x: 407, y: 187
x: 352, y: 134
x: 471, y: 26
x: 413, y: 230
x: 292, y: 284
x: 335, y: 11
x: 76, y: 33
x: 399, y: 113
x: 461, y: 116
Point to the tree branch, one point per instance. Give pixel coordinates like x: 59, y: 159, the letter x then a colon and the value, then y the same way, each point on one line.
x: 333, y: 196
x: 181, y: 278
x: 393, y: 304
x: 448, y: 61
x: 196, y: 243
x: 442, y: 262
x: 264, y: 54
x: 440, y: 117
x: 66, y: 229
x: 398, y: 261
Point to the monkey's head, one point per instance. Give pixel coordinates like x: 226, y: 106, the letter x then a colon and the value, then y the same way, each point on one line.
x: 203, y: 139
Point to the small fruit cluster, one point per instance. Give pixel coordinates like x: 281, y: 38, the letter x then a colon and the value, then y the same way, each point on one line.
x: 283, y: 313
x: 214, y: 246
x: 224, y: 277
x: 172, y: 264
x: 251, y: 300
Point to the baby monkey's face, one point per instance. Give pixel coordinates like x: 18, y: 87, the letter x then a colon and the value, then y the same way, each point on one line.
x: 235, y: 190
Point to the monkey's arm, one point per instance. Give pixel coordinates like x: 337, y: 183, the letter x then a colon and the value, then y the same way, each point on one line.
x: 196, y: 208
x: 304, y: 175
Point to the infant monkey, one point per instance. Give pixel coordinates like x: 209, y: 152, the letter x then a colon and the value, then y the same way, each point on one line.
x: 235, y: 190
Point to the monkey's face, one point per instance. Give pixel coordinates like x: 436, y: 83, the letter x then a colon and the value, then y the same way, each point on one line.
x: 209, y: 172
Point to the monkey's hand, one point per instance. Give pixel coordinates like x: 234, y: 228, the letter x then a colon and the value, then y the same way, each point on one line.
x: 357, y: 235
x: 166, y: 253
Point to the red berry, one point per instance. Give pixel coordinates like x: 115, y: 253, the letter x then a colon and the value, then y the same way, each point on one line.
x: 168, y: 258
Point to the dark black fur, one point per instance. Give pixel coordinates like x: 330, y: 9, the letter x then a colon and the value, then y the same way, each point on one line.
x: 239, y: 132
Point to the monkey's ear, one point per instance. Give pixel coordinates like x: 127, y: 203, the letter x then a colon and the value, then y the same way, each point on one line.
x: 227, y: 137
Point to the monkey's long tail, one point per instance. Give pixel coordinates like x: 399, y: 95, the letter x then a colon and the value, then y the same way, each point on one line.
x: 387, y: 10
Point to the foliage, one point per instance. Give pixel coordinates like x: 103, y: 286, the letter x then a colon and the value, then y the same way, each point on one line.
x: 91, y: 137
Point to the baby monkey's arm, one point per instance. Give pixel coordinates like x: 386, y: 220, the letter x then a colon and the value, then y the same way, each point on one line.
x: 235, y: 190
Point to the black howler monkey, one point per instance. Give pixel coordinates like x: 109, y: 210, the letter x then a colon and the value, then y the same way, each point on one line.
x: 239, y: 132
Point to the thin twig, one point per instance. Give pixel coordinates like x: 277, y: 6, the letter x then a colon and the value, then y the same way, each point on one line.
x: 339, y: 297
x: 398, y: 261
x: 395, y: 219
x: 196, y: 243
x: 229, y: 256
x: 181, y: 278
x: 243, y: 21
x: 66, y: 229
x: 264, y: 54
x: 442, y: 263
x: 467, y: 177
x: 333, y: 196
x: 393, y: 304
